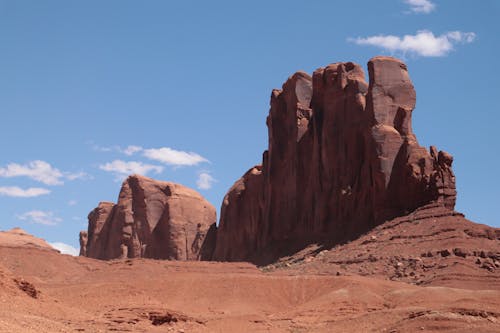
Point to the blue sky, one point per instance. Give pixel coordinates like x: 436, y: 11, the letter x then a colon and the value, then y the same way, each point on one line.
x: 179, y: 91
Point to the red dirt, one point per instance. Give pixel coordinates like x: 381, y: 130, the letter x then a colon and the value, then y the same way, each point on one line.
x: 76, y: 294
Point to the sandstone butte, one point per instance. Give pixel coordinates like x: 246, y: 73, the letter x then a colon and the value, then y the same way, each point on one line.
x: 152, y: 219
x: 345, y: 207
x: 342, y: 159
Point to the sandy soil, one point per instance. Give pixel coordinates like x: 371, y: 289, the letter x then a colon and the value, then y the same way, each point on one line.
x: 86, y: 295
x: 316, y: 290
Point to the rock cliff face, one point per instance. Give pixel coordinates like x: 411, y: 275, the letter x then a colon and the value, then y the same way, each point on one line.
x: 152, y: 219
x: 342, y: 158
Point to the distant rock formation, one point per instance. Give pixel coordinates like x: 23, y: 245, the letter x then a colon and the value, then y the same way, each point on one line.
x: 152, y: 219
x: 18, y: 238
x: 342, y: 158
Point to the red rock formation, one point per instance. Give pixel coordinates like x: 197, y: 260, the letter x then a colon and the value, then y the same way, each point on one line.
x: 97, y: 220
x: 152, y: 219
x: 342, y: 159
x: 243, y: 199
x: 83, y: 237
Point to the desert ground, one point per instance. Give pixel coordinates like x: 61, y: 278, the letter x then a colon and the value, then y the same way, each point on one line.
x: 42, y: 290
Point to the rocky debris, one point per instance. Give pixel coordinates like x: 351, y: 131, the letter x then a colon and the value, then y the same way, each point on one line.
x: 157, y: 317
x: 160, y: 319
x: 27, y: 287
x: 152, y: 219
x: 168, y: 317
x: 460, y: 252
x: 431, y: 246
x: 11, y: 285
x: 342, y: 158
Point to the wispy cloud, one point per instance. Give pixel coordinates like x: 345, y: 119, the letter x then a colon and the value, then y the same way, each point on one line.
x: 420, y: 6
x: 424, y: 43
x: 77, y: 175
x: 65, y: 248
x: 99, y: 148
x: 17, y: 192
x: 40, y: 171
x: 174, y: 157
x: 72, y: 202
x: 131, y: 150
x: 205, y: 181
x: 40, y: 217
x: 121, y: 169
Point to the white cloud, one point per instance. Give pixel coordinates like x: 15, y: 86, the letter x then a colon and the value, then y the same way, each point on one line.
x: 131, y: 150
x: 421, y: 6
x: 14, y: 191
x: 122, y: 168
x: 205, y: 181
x: 40, y: 217
x: 65, y: 248
x: 424, y: 43
x: 72, y: 202
x: 461, y: 37
x: 40, y: 171
x: 174, y: 157
x: 37, y: 170
x: 164, y: 155
x: 77, y: 175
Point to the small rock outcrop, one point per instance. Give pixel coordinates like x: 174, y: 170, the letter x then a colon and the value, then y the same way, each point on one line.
x: 152, y: 219
x: 342, y: 158
x: 18, y: 238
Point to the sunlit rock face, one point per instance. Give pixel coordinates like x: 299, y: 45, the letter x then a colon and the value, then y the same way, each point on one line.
x: 342, y: 158
x: 152, y: 219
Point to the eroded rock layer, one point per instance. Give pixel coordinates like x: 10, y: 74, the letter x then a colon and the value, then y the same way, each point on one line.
x: 342, y: 158
x: 432, y: 246
x: 152, y: 219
